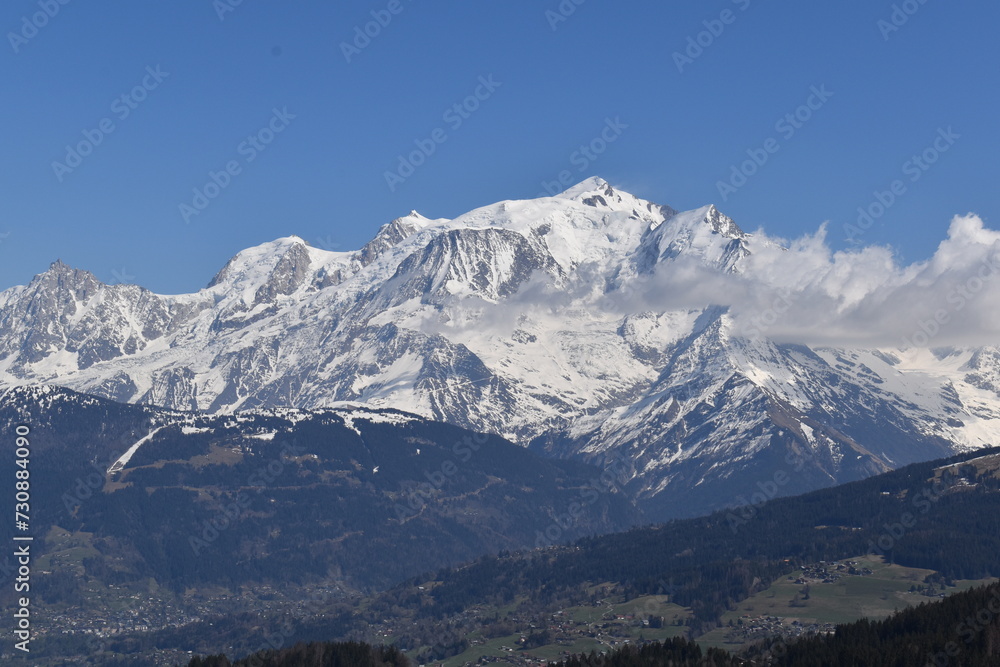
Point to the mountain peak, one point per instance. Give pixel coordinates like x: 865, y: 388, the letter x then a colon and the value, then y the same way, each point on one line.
x: 284, y: 242
x: 723, y: 224
x: 598, y: 193
x: 588, y: 186
x: 65, y: 275
x: 393, y: 233
x: 252, y: 264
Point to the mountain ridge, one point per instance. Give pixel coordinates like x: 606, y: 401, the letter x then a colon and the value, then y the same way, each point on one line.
x: 565, y: 323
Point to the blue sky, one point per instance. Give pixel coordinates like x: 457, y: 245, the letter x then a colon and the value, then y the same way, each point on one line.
x: 201, y: 76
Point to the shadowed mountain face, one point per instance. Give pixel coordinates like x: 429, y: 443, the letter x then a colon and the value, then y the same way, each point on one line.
x: 548, y: 322
x: 359, y: 496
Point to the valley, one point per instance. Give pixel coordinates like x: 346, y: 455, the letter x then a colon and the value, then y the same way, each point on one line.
x: 797, y: 570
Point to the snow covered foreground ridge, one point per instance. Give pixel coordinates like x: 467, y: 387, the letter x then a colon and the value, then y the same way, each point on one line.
x: 591, y: 323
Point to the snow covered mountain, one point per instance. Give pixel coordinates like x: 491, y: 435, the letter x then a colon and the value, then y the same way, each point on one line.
x: 553, y: 322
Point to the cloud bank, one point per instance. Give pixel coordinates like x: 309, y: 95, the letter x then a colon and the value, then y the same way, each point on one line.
x: 798, y: 291
x: 804, y: 292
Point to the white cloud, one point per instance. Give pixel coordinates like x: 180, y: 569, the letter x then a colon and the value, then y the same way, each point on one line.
x: 810, y: 294
x: 798, y: 291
